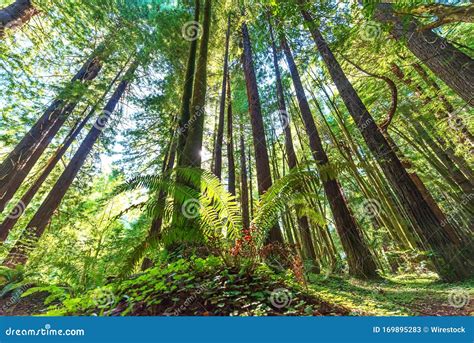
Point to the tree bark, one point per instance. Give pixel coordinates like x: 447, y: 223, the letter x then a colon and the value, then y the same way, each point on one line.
x: 360, y: 260
x: 24, y: 156
x: 262, y: 162
x: 450, y: 112
x: 452, y: 257
x: 192, y: 149
x: 455, y: 166
x: 244, y: 188
x: 230, y: 140
x: 25, y: 200
x: 309, y: 253
x: 220, y: 127
x: 156, y: 224
x: 451, y: 65
x: 185, y: 109
x: 16, y: 15
x: 37, y: 225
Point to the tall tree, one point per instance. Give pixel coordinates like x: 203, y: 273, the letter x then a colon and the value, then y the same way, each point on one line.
x: 244, y: 187
x: 220, y: 127
x: 185, y: 109
x: 447, y: 62
x: 262, y: 162
x: 16, y: 15
x: 452, y: 255
x: 360, y: 259
x: 309, y: 252
x: 37, y: 225
x: 16, y: 166
x: 191, y: 155
x: 10, y: 221
x: 230, y: 140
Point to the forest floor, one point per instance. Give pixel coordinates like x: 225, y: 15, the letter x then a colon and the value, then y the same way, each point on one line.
x: 207, y: 288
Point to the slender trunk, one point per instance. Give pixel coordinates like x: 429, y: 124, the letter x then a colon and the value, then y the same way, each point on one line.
x: 284, y: 115
x: 442, y: 58
x: 220, y: 127
x: 192, y: 149
x: 262, y: 162
x: 249, y: 154
x: 452, y: 263
x: 25, y: 200
x: 447, y: 156
x: 303, y: 223
x: 230, y: 140
x: 16, y: 15
x: 156, y: 224
x: 21, y: 160
x: 244, y: 188
x: 185, y: 109
x: 37, y: 225
x: 360, y: 259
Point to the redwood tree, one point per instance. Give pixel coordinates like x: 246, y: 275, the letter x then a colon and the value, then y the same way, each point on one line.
x: 191, y: 154
x: 16, y: 166
x: 452, y: 255
x: 37, y: 225
x: 360, y: 260
x: 16, y: 15
x: 220, y: 127
x: 262, y: 162
x: 447, y: 62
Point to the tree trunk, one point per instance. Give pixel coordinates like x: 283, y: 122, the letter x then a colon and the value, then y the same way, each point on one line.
x: 25, y: 200
x: 450, y: 112
x: 185, y: 109
x: 452, y: 263
x: 447, y: 62
x: 447, y: 156
x: 16, y: 15
x: 262, y: 162
x: 303, y: 223
x: 192, y: 149
x: 244, y: 188
x: 230, y: 140
x: 21, y: 160
x: 360, y: 259
x: 37, y: 225
x: 220, y: 127
x: 155, y: 229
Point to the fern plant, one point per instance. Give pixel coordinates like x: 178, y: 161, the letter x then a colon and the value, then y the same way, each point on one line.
x: 198, y: 196
x: 292, y: 190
